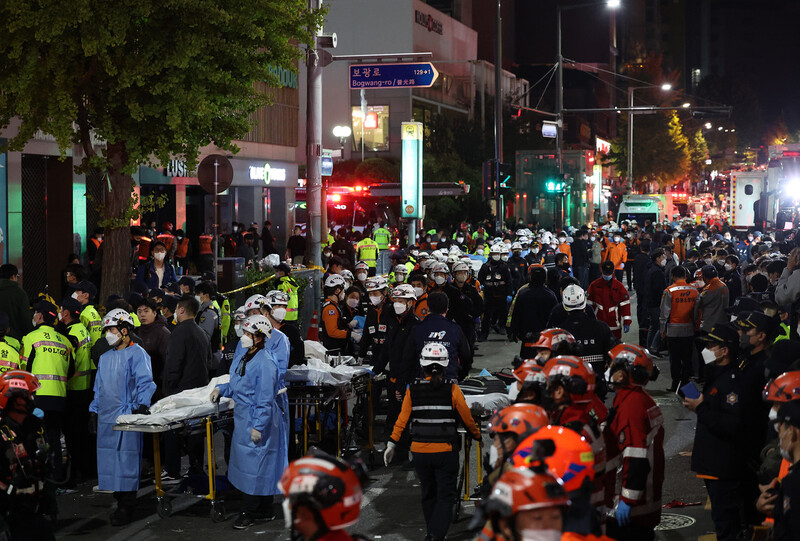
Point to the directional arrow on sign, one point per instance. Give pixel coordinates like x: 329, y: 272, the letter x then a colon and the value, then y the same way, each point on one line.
x: 401, y: 75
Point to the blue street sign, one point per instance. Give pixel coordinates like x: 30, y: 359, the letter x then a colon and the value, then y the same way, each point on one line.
x: 401, y: 75
x: 327, y: 166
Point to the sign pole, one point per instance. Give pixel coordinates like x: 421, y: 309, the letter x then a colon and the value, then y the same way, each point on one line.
x: 498, y: 117
x: 216, y: 220
x: 314, y: 146
x: 411, y: 176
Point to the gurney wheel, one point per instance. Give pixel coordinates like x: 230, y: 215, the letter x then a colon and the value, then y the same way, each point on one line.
x: 217, y: 511
x: 164, y: 507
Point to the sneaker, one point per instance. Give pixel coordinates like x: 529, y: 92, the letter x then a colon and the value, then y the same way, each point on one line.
x: 243, y: 521
x: 121, y: 517
x: 96, y: 490
x: 168, y: 479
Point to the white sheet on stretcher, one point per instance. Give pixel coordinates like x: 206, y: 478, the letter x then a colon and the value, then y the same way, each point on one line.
x: 188, y: 404
x: 317, y: 372
x: 485, y: 404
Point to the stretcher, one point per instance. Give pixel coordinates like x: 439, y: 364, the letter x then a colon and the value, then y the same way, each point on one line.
x: 194, y: 425
x: 465, y: 492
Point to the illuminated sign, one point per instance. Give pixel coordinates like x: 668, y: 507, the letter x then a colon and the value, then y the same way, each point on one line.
x: 371, y: 121
x: 267, y: 174
x: 423, y: 19
x: 411, y: 170
x: 602, y: 146
x: 549, y: 129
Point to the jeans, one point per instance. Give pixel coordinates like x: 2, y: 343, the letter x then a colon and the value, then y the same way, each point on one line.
x: 642, y: 318
x: 438, y: 476
x: 654, y: 333
x: 582, y: 274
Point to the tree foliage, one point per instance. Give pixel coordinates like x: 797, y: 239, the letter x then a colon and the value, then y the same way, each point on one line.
x: 155, y: 79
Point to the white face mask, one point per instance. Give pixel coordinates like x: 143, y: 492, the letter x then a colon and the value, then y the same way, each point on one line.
x: 663, y: 263
x: 341, y: 295
x: 352, y: 303
x: 728, y: 267
x: 460, y: 239
x: 159, y: 256
x: 750, y: 239
x: 535, y: 250
x: 439, y: 280
x: 617, y: 239
x: 60, y: 316
x: 375, y: 300
x: 708, y: 261
x: 238, y: 329
x: 493, y: 458
x: 418, y: 291
x: 246, y: 341
x: 504, y: 257
x: 773, y: 414
x: 495, y: 257
x: 400, y: 278
x: 112, y: 339
x: 540, y: 535
x: 708, y: 356
x: 415, y: 253
x: 74, y: 295
x: 699, y: 284
x: 33, y: 320
x: 592, y: 239
x: 198, y: 299
x: 362, y: 276
x: 399, y: 308
x: 279, y: 314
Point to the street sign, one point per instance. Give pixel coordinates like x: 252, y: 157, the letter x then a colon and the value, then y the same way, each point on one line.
x: 208, y: 177
x: 327, y: 166
x: 388, y: 75
x: 429, y: 189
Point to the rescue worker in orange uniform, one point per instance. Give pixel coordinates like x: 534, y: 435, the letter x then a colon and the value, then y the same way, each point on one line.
x: 182, y: 249
x: 420, y: 284
x: 617, y: 254
x: 334, y: 332
x: 610, y: 300
x: 677, y: 324
x: 635, y: 439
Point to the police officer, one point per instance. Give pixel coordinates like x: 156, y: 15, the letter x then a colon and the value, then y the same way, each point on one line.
x: 529, y: 312
x: 47, y: 354
x: 432, y: 410
x: 717, y: 452
x: 288, y: 285
x: 497, y: 288
x: 367, y: 251
x: 85, y: 292
x: 9, y: 346
x: 79, y: 389
x: 382, y: 237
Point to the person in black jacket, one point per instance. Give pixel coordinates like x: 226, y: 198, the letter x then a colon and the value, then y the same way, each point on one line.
x: 497, y: 290
x: 379, y: 317
x: 786, y: 515
x: 641, y: 269
x: 186, y: 367
x: 656, y: 284
x: 717, y: 451
x: 530, y: 312
x: 467, y: 303
x: 518, y: 266
x: 580, y: 258
x: 155, y: 337
x: 733, y: 278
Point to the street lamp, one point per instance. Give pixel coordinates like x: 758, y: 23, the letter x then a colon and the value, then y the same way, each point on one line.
x: 611, y: 4
x: 666, y: 87
x: 342, y: 133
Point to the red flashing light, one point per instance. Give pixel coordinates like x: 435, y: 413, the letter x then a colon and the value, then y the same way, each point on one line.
x: 335, y: 197
x: 790, y: 153
x: 359, y: 188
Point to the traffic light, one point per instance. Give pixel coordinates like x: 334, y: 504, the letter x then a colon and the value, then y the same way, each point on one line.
x: 506, y: 170
x: 488, y: 179
x: 554, y: 186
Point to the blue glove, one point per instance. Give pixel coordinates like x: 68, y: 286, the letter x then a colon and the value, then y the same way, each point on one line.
x: 623, y: 513
x: 626, y: 328
x: 508, y: 299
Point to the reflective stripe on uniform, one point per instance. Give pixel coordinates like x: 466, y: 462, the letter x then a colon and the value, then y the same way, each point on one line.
x: 632, y: 494
x: 51, y: 377
x: 82, y: 373
x: 635, y: 452
x: 8, y: 364
x: 428, y: 408
x: 49, y: 343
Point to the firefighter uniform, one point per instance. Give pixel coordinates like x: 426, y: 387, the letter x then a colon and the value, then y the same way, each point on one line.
x: 611, y: 304
x: 565, y: 248
x: 383, y: 237
x: 367, y: 250
x: 92, y: 321
x: 617, y: 254
x: 432, y: 413
x: 378, y: 321
x: 635, y: 440
x: 497, y: 287
x: 677, y: 323
x: 334, y: 332
x: 421, y: 307
x: 578, y: 417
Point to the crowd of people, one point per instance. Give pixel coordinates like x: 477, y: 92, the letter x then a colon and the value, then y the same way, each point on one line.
x: 566, y: 460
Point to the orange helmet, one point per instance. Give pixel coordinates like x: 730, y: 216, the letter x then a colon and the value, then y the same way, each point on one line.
x: 784, y: 388
x: 550, y: 338
x: 519, y: 419
x: 574, y: 374
x: 167, y: 226
x: 572, y: 459
x: 327, y: 485
x: 17, y: 383
x: 530, y: 371
x: 636, y: 361
x: 522, y: 490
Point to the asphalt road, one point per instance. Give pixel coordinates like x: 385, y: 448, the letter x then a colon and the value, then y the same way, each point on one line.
x: 391, y: 508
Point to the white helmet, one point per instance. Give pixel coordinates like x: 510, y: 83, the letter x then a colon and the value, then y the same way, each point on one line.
x: 524, y: 241
x: 573, y: 298
x: 521, y: 232
x: 455, y: 249
x: 461, y: 266
x: 422, y: 256
x: 334, y: 280
x: 258, y: 324
x: 452, y: 258
x: 404, y: 291
x: 277, y: 298
x: 434, y: 353
x: 239, y: 315
x: 361, y: 265
x: 254, y: 302
x: 400, y: 269
x: 347, y: 275
x: 497, y: 249
x: 440, y: 268
x: 439, y: 256
x: 426, y: 264
x: 117, y: 316
x: 376, y: 283
x: 516, y: 246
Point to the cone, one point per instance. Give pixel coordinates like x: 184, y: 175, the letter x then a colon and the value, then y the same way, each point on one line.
x: 313, y: 329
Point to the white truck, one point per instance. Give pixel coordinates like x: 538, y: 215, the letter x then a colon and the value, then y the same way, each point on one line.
x: 641, y: 208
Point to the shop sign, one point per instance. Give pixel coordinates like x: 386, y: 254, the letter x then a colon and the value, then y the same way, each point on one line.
x: 423, y: 19
x: 267, y: 174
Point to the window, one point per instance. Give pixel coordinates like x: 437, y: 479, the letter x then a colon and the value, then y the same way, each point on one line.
x: 748, y: 189
x: 374, y: 127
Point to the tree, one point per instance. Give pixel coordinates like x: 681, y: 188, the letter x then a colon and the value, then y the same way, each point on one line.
x: 156, y: 79
x: 698, y: 153
x: 374, y: 170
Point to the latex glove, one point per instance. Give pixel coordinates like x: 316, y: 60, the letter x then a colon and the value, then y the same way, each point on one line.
x: 622, y: 266
x: 388, y: 454
x: 509, y: 298
x: 214, y: 395
x: 356, y: 336
x: 626, y: 328
x: 353, y: 324
x: 623, y: 513
x: 255, y: 435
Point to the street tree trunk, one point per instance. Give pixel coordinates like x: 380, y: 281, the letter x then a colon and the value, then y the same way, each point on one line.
x: 116, y: 243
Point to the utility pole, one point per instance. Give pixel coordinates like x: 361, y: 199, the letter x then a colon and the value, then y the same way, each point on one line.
x: 498, y: 116
x: 314, y: 144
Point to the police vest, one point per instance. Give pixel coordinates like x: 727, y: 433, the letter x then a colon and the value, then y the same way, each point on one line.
x: 433, y: 419
x: 183, y: 248
x: 382, y: 237
x: 81, y: 380
x: 368, y: 252
x: 224, y: 310
x: 93, y: 322
x: 9, y: 356
x: 289, y: 286
x: 51, y: 359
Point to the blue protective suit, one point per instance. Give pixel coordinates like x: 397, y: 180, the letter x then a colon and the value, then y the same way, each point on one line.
x: 124, y: 381
x: 278, y: 344
x: 256, y: 468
